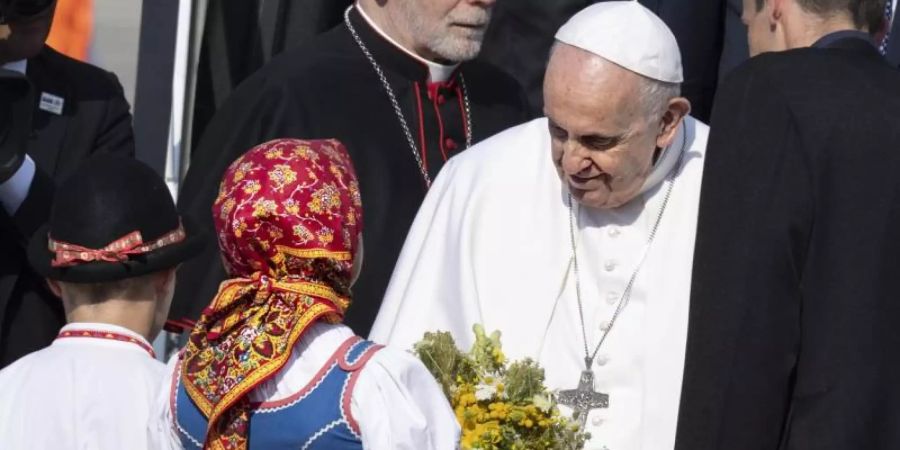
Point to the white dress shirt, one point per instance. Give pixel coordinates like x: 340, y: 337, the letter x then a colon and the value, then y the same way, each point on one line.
x: 80, y: 393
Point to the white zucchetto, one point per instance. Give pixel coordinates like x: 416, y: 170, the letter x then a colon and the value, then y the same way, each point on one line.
x: 628, y: 34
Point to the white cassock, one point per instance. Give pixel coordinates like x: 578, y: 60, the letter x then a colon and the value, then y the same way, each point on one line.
x: 397, y: 403
x: 491, y: 245
x: 81, y: 393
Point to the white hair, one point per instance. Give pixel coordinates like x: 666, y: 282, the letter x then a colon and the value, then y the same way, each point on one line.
x: 655, y: 95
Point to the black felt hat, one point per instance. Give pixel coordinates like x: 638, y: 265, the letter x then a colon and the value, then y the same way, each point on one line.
x: 95, y: 219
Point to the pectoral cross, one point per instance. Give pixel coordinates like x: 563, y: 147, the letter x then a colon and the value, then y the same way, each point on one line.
x: 584, y: 399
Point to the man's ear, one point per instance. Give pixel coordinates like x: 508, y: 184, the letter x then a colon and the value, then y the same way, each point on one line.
x: 678, y: 109
x: 55, y: 288
x: 775, y: 11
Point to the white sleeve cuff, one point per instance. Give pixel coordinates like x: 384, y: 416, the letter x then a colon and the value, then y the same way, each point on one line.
x: 14, y: 190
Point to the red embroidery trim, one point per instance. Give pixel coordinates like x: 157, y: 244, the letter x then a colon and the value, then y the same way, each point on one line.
x: 118, y: 251
x: 351, y: 384
x: 107, y: 335
x: 332, y: 361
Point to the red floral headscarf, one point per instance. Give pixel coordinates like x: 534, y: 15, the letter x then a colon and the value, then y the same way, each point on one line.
x: 288, y: 218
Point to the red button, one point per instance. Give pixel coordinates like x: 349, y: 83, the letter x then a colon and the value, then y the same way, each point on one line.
x: 450, y: 144
x: 441, y: 99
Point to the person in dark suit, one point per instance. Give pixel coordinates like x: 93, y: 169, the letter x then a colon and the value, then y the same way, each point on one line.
x: 794, y: 341
x: 73, y: 110
x: 521, y: 34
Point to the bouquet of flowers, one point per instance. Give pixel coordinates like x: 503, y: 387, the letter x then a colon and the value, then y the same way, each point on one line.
x: 499, y: 405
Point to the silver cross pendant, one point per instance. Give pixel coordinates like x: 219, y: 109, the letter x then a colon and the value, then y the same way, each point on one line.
x: 584, y: 399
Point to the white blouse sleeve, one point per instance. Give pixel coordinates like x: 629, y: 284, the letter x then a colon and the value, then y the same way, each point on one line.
x: 399, y: 405
x: 161, y: 427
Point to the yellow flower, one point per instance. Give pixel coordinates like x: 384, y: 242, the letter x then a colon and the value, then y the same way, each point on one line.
x: 252, y: 187
x: 325, y: 236
x: 303, y: 233
x: 239, y: 230
x: 326, y: 199
x: 227, y: 207
x: 291, y: 206
x: 282, y: 175
x: 303, y: 151
x: 273, y: 153
x: 264, y: 208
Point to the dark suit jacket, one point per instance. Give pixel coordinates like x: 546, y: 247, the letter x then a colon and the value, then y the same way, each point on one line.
x: 95, y: 119
x: 794, y: 340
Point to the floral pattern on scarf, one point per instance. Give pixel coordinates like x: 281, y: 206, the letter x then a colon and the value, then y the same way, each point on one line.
x: 288, y: 218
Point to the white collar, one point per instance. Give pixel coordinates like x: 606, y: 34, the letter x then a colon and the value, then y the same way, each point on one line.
x: 105, y: 328
x: 667, y: 161
x: 438, y: 73
x: 17, y: 66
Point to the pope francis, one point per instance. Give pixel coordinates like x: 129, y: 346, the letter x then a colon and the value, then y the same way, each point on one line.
x: 573, y: 234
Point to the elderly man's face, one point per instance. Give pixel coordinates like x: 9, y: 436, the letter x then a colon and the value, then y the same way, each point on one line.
x: 447, y: 30
x: 602, y: 143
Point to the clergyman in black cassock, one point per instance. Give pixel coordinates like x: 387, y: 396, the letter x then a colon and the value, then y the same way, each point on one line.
x: 794, y: 336
x: 327, y: 88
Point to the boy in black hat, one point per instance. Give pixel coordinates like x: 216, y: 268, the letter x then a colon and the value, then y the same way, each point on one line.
x: 110, y: 251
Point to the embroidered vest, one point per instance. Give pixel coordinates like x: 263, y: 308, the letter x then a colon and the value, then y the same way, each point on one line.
x: 315, y: 418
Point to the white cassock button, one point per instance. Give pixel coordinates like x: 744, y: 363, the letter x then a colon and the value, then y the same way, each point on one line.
x: 612, y: 298
x: 604, y: 326
x: 609, y: 265
x: 602, y: 360
x: 613, y: 232
x: 597, y: 421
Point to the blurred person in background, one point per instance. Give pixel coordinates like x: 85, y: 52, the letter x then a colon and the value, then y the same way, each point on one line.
x: 60, y: 111
x: 72, y: 30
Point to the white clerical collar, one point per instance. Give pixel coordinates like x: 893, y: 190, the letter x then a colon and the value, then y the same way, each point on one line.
x: 437, y: 73
x: 667, y: 161
x: 17, y: 66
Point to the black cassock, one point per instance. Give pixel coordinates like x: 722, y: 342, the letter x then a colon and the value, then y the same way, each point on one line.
x: 327, y: 89
x: 794, y: 340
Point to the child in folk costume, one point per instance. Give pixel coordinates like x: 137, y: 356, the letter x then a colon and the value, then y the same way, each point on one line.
x: 110, y: 251
x: 269, y: 364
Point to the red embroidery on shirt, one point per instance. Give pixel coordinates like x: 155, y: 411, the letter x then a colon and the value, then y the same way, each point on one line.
x: 106, y: 335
